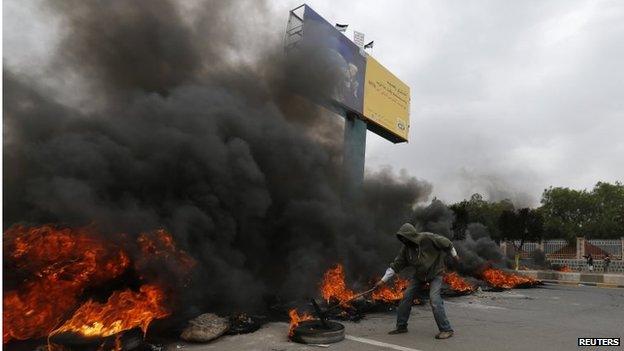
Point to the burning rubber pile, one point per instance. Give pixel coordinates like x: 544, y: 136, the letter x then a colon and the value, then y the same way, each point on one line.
x: 77, y: 287
x: 62, y: 275
x: 342, y: 303
x: 499, y: 279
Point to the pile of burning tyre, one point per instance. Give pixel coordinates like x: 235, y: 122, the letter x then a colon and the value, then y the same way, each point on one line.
x: 339, y: 302
x: 75, y: 289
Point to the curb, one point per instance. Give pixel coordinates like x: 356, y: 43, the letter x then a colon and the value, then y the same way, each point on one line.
x: 568, y: 283
x: 601, y: 280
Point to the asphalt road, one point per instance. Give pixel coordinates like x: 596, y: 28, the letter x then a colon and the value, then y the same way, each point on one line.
x: 547, y: 318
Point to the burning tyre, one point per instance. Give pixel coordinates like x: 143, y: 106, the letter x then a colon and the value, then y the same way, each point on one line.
x: 123, y: 341
x: 315, y: 332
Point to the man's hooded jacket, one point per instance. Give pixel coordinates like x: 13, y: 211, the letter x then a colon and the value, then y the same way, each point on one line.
x: 426, y: 252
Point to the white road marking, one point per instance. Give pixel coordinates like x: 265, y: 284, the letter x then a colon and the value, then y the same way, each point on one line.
x: 475, y: 305
x: 379, y: 343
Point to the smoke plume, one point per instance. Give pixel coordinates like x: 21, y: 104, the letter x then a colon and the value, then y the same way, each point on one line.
x: 174, y: 130
x: 477, y: 250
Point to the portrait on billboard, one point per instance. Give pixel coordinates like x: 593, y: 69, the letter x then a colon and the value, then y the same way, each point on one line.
x: 341, y: 54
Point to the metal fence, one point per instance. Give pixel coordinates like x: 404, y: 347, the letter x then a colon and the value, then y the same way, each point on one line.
x: 613, y: 247
x: 562, y: 249
x: 559, y: 249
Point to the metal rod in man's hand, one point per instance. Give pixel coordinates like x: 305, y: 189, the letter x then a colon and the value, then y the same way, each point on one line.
x: 352, y: 298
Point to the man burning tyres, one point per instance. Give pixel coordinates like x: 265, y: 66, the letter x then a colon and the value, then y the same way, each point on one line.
x: 425, y: 252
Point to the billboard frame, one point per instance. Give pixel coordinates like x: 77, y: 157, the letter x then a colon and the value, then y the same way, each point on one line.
x: 391, y: 118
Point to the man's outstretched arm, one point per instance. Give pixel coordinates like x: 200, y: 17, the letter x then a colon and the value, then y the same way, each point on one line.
x: 396, y: 266
x: 445, y: 244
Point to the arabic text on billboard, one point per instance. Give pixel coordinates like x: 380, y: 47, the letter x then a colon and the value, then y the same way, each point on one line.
x: 386, y: 99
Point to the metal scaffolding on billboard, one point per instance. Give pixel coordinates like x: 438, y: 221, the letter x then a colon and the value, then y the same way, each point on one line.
x: 294, y: 28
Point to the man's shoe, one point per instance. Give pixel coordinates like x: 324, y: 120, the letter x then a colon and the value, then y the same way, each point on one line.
x: 444, y: 335
x: 398, y: 331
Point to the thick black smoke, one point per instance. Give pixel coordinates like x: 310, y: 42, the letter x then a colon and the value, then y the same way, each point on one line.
x: 477, y: 250
x: 183, y: 135
x: 436, y: 218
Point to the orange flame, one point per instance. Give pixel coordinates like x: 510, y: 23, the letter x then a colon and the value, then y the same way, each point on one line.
x: 56, y: 265
x: 504, y: 280
x: 295, y: 319
x: 457, y: 283
x: 333, y: 286
x: 159, y: 244
x: 124, y: 310
x: 564, y: 269
x: 61, y: 263
x: 392, y: 294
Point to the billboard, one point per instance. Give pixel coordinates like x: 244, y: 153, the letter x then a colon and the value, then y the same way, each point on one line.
x: 364, y: 87
x: 386, y: 99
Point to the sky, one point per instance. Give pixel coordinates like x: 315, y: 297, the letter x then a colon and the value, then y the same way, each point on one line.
x: 507, y: 97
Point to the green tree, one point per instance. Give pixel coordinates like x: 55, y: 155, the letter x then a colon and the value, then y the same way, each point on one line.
x: 521, y: 226
x: 567, y: 212
x: 477, y: 210
x: 594, y: 214
x: 608, y: 222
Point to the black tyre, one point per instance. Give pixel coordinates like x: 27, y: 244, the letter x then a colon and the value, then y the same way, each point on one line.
x: 130, y: 340
x: 313, y: 332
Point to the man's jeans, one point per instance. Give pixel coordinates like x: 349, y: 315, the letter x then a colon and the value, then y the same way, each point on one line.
x: 418, y: 289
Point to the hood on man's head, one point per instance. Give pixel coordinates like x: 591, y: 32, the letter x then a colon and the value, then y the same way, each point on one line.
x: 407, y: 232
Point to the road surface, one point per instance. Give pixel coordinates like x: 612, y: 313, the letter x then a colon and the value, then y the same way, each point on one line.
x: 547, y: 318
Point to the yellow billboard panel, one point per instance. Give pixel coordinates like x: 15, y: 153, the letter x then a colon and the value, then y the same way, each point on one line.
x: 386, y: 100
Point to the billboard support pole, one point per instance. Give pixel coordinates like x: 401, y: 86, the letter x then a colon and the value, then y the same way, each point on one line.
x: 354, y: 150
x: 367, y: 94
